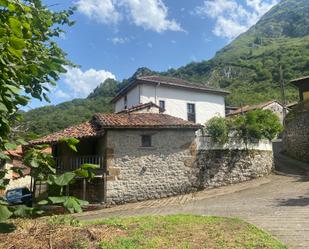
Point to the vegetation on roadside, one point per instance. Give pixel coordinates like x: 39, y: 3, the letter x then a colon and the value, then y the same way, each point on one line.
x: 249, y: 127
x: 30, y: 61
x: 177, y: 231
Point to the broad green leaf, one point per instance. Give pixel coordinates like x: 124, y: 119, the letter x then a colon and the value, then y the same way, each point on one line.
x: 64, y: 179
x: 10, y: 146
x: 57, y: 199
x: 5, y: 213
x: 72, y: 205
x: 17, y: 43
x: 71, y: 142
x: 90, y: 166
x: 3, y: 107
x: 15, y: 26
x: 43, y: 202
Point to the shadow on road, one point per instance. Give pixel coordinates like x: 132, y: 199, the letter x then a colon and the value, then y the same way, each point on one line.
x: 301, y: 201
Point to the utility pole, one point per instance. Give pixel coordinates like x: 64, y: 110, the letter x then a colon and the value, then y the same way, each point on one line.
x: 282, y: 92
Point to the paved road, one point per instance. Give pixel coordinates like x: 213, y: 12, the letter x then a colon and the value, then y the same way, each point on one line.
x: 278, y: 204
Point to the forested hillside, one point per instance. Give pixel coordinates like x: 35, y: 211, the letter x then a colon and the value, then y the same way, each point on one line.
x: 248, y: 67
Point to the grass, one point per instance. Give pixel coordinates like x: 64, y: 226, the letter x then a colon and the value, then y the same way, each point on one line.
x: 187, y: 231
x: 176, y: 231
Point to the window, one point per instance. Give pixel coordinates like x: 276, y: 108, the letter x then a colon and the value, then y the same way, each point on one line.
x: 162, y: 105
x: 191, y: 112
x: 146, y: 141
x: 125, y: 102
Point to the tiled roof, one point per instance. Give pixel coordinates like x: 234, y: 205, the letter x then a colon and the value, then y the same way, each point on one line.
x: 252, y: 107
x: 139, y: 107
x: 142, y: 120
x: 101, y: 122
x: 87, y: 129
x: 168, y: 81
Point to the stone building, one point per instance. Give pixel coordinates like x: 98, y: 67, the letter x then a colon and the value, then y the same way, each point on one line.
x: 141, y: 156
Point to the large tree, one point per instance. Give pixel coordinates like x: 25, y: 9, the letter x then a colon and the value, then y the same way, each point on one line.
x: 30, y: 60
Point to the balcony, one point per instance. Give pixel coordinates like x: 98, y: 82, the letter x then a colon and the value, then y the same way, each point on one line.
x: 64, y: 164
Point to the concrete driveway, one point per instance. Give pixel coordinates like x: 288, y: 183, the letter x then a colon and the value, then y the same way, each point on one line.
x: 278, y: 204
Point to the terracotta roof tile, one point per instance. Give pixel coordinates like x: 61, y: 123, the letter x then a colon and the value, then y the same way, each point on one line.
x: 87, y: 129
x: 143, y: 120
x: 247, y: 108
x: 101, y: 122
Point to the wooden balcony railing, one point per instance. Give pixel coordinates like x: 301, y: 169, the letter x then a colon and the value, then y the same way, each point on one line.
x: 64, y: 164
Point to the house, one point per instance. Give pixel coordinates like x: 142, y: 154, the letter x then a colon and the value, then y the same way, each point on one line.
x: 175, y: 97
x: 141, y: 155
x: 275, y: 106
x: 16, y: 161
x: 303, y: 86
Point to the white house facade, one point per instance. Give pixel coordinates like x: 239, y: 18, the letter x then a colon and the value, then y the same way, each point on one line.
x: 175, y: 97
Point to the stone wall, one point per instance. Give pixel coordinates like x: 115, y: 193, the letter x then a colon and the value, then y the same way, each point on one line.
x: 137, y: 173
x: 296, y: 136
x: 224, y: 167
x: 173, y: 165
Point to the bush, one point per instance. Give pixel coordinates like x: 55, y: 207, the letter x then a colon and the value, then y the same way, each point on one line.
x: 218, y: 129
x: 250, y: 127
x: 256, y: 125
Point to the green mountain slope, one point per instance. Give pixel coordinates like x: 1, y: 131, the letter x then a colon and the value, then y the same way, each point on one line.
x: 248, y: 67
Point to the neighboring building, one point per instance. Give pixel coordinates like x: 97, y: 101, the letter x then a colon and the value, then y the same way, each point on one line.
x: 303, y: 85
x: 177, y: 97
x: 16, y: 161
x: 273, y: 105
x: 230, y: 109
x: 141, y: 156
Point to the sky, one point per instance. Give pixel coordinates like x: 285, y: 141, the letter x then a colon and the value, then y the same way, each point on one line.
x: 113, y: 38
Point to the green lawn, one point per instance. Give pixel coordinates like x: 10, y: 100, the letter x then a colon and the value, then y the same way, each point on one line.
x: 187, y: 231
x: 177, y: 231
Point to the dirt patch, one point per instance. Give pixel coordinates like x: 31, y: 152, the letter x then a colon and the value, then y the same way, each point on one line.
x: 34, y: 234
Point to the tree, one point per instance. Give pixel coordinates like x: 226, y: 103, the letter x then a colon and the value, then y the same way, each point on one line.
x: 256, y: 125
x: 217, y: 129
x: 30, y: 60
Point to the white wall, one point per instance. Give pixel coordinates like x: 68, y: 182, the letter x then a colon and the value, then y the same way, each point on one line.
x: 132, y: 97
x: 207, y: 105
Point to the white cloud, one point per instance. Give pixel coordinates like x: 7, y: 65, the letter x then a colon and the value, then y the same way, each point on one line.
x: 149, y: 14
x: 103, y: 11
x: 232, y: 18
x: 61, y: 94
x: 82, y: 83
x: 119, y: 40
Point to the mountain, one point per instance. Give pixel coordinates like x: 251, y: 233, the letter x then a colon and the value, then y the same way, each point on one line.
x: 248, y: 67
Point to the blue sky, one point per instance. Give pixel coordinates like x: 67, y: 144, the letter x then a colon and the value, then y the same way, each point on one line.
x: 112, y: 38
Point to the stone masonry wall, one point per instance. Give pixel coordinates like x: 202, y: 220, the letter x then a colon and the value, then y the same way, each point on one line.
x: 224, y: 167
x: 136, y: 173
x: 173, y: 165
x: 296, y: 136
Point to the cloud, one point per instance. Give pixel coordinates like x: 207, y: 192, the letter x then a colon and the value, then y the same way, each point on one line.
x: 61, y: 94
x: 102, y: 11
x: 81, y: 83
x: 232, y: 18
x: 149, y: 14
x: 119, y: 40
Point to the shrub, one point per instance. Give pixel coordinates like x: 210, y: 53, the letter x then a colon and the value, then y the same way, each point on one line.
x: 218, y: 129
x: 256, y: 125
x: 250, y: 127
